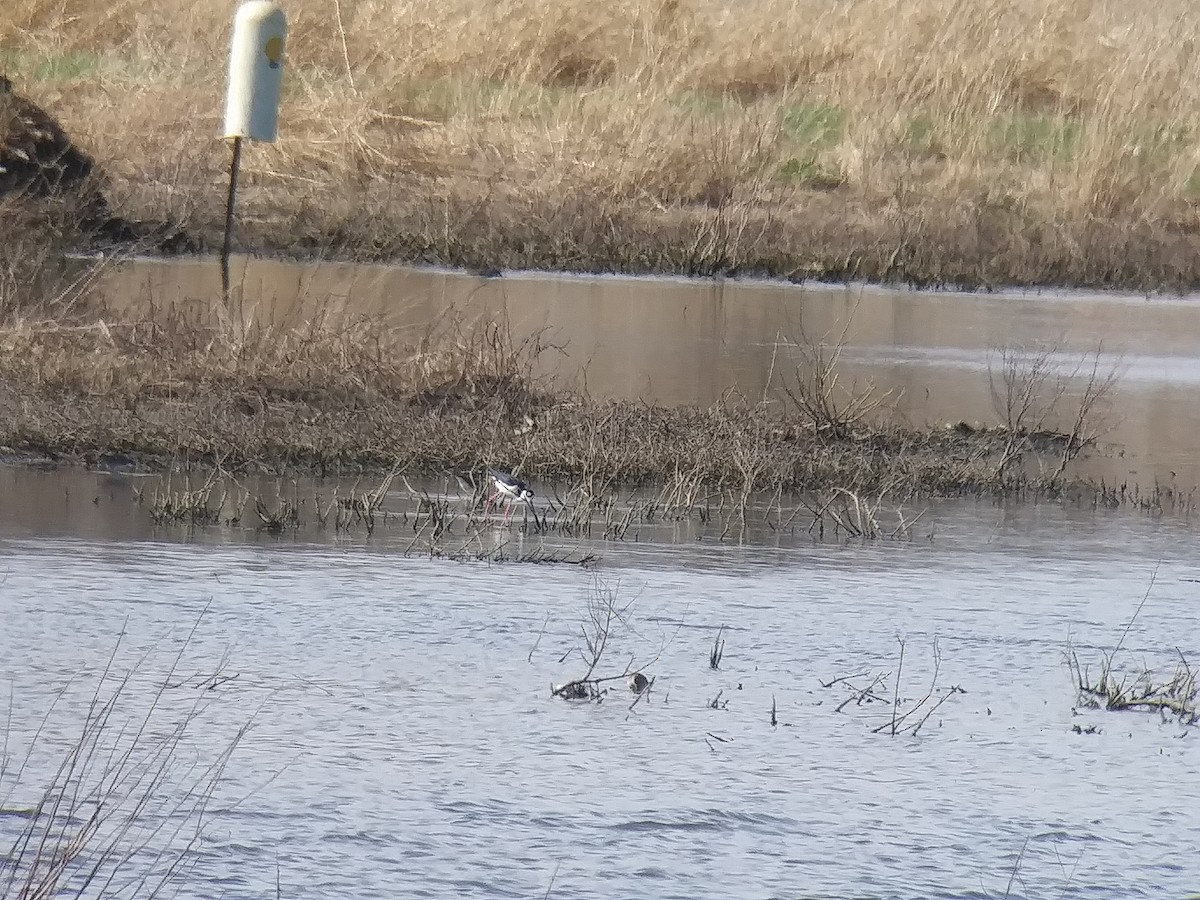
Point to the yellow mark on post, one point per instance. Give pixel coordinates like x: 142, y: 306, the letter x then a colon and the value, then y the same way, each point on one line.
x: 274, y: 51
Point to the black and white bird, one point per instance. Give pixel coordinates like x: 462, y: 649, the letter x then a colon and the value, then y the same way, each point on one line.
x: 511, y: 489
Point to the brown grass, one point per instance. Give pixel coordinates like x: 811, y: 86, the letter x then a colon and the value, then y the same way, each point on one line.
x: 1118, y: 688
x: 176, y: 393
x: 1018, y: 141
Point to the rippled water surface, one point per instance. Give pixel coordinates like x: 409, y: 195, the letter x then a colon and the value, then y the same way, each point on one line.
x: 404, y: 742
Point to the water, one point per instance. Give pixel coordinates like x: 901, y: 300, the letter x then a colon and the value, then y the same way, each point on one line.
x: 405, y: 743
x: 403, y: 738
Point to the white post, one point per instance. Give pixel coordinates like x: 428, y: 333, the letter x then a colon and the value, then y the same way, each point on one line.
x: 255, y: 71
x: 252, y: 100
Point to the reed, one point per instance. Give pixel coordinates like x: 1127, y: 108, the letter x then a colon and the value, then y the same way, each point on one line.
x: 123, y: 808
x: 1138, y: 688
x: 717, y: 652
x: 211, y: 502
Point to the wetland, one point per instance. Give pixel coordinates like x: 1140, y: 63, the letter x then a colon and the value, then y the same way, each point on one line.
x: 829, y: 586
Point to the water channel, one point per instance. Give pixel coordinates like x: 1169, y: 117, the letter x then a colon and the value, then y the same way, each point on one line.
x: 403, y: 740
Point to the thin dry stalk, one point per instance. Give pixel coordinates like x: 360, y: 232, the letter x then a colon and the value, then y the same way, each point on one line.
x: 284, y: 517
x: 1024, y: 395
x: 1177, y: 694
x: 717, y: 651
x: 904, y: 716
x: 192, y: 506
x: 1085, y: 428
x: 845, y: 512
x: 1028, y: 392
x: 125, y: 805
x: 815, y: 388
x: 604, y: 614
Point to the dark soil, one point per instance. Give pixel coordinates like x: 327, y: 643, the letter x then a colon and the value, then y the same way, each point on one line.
x: 40, y: 163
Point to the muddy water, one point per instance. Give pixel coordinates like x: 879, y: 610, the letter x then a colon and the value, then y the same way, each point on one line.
x: 404, y: 742
x: 687, y: 342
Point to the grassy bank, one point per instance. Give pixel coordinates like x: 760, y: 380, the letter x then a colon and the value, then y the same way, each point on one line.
x: 938, y: 141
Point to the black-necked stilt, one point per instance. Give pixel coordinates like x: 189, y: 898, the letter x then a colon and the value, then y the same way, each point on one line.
x: 511, y: 488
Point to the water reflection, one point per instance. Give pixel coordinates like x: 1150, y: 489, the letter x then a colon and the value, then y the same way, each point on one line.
x: 404, y: 739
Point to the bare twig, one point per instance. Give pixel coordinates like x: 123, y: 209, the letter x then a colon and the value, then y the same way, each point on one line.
x: 896, y: 694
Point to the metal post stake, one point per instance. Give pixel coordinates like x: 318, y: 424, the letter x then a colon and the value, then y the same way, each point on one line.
x: 234, y: 166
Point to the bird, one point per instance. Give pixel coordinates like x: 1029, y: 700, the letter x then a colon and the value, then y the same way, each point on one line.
x: 511, y: 488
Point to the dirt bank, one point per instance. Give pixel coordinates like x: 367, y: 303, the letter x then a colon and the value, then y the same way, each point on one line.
x: 1018, y: 142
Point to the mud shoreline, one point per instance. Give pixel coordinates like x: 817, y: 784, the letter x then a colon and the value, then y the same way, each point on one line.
x: 932, y: 246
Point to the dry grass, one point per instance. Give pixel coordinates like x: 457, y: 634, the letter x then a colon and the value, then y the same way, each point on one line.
x: 121, y: 811
x: 1174, y: 696
x: 1017, y: 141
x: 82, y: 392
x: 1125, y: 687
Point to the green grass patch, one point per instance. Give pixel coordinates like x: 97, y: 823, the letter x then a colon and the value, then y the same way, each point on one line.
x: 920, y: 137
x: 1156, y: 144
x: 1036, y: 138
x: 705, y: 103
x: 817, y: 125
x: 24, y: 64
x: 1191, y: 187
